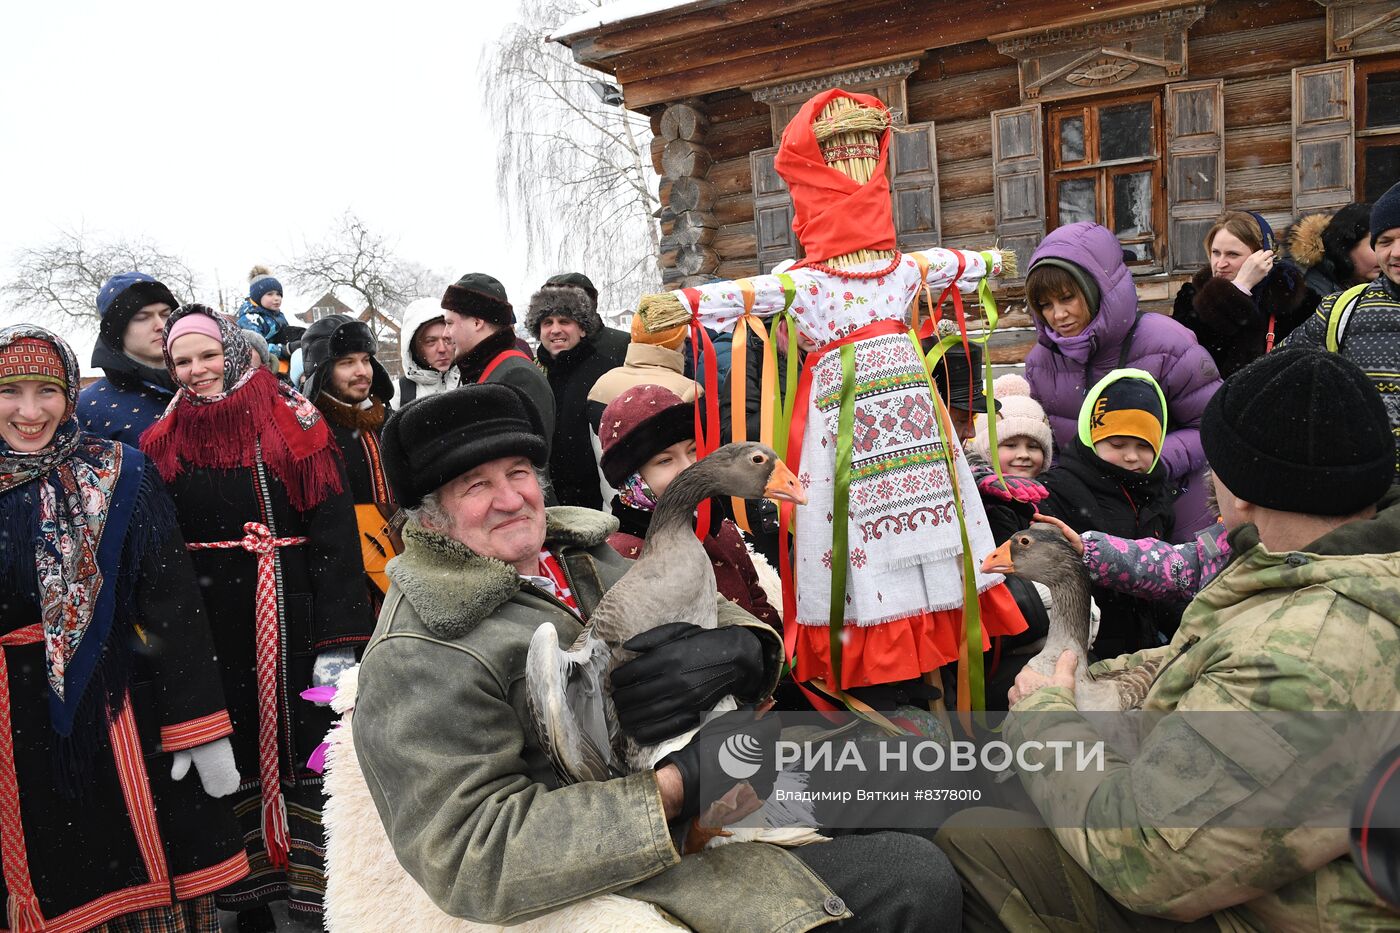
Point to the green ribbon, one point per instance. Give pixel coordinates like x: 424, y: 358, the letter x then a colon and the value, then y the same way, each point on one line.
x: 841, y: 507
x: 786, y: 395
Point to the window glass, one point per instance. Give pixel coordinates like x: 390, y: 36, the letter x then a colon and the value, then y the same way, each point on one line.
x: 1125, y: 131
x: 1072, y: 139
x: 1078, y: 200
x: 1383, y: 99
x: 1132, y: 204
x: 1382, y: 168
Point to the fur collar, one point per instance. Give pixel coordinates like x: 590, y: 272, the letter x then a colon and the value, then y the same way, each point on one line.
x: 452, y: 589
x: 353, y: 417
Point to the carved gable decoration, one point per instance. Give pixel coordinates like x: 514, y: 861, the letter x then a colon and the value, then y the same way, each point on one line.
x: 1362, y: 27
x: 885, y: 80
x: 1139, y: 47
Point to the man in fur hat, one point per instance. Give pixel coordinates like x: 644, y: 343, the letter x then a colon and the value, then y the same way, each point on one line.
x: 352, y: 389
x: 453, y: 760
x: 575, y: 351
x: 480, y: 321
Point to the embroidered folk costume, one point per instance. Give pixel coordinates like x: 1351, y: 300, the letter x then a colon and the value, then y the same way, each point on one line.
x: 263, y: 503
x: 905, y: 484
x: 106, y: 667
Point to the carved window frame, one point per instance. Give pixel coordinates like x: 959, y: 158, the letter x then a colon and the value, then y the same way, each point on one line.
x: 1105, y: 171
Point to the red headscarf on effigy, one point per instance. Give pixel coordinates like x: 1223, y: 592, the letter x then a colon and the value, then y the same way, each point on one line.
x: 833, y: 214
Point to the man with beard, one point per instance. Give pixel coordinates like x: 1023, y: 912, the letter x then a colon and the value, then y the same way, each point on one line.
x: 352, y: 389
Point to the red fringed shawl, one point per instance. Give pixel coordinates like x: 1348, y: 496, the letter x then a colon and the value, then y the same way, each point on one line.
x: 297, y: 447
x: 833, y: 214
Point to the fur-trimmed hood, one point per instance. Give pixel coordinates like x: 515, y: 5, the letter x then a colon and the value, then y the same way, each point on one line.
x: 452, y: 589
x: 568, y: 300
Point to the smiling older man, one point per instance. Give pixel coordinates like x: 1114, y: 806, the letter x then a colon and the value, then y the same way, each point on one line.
x: 471, y: 804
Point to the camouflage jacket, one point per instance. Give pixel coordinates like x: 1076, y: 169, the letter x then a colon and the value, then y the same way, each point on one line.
x: 1286, y: 632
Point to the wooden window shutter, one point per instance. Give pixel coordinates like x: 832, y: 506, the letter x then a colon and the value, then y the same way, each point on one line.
x: 914, y: 187
x: 1195, y: 168
x: 1323, y: 141
x: 1018, y: 176
x: 772, y: 212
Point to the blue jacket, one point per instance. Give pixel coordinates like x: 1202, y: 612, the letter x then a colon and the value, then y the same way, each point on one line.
x: 127, y: 401
x: 268, y: 323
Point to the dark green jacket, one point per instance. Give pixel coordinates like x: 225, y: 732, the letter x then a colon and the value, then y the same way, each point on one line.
x: 467, y: 796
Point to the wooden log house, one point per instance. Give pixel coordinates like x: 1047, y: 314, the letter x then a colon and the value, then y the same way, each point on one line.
x: 1018, y: 116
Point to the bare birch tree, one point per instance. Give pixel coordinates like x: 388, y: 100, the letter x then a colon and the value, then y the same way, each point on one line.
x: 354, y: 257
x: 574, y: 173
x: 57, y: 282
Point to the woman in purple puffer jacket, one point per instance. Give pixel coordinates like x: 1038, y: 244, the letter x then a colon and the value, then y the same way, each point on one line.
x: 1088, y: 323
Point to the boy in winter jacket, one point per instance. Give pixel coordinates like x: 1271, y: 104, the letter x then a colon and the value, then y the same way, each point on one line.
x: 261, y: 312
x: 1113, y: 480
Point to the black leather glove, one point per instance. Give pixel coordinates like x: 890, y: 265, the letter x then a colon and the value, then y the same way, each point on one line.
x: 730, y: 749
x: 680, y: 673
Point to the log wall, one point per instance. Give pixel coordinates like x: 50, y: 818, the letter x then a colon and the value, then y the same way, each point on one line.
x: 958, y: 87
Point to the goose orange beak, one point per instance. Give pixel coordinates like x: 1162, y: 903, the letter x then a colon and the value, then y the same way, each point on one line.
x: 784, y: 486
x: 999, y: 561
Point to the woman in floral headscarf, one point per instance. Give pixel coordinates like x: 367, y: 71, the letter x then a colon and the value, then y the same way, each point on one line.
x: 108, y: 684
x: 265, y: 509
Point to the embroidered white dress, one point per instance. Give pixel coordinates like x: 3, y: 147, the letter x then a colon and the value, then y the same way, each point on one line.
x: 904, y: 583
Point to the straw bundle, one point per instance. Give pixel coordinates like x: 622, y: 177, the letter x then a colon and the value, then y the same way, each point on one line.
x: 662, y: 312
x: 849, y: 135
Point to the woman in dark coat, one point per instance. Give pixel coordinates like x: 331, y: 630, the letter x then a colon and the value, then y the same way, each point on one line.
x: 254, y: 471
x: 109, y: 689
x: 1248, y: 298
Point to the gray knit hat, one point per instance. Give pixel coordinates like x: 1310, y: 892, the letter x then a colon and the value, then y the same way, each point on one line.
x: 562, y: 301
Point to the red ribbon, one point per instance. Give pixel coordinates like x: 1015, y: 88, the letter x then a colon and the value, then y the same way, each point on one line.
x: 706, y: 421
x: 258, y: 541
x: 25, y: 915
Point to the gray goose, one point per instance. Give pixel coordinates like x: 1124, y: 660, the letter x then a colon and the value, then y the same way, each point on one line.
x: 671, y: 581
x: 1041, y: 553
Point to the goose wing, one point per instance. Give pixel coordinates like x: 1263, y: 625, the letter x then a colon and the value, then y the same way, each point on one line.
x: 565, y: 695
x: 1132, y: 683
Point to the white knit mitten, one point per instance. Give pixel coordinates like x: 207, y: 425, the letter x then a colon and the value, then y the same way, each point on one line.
x: 329, y: 665
x: 214, y: 761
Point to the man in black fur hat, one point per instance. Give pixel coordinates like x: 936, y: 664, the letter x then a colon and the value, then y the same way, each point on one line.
x: 481, y: 322
x: 575, y: 351
x: 352, y: 389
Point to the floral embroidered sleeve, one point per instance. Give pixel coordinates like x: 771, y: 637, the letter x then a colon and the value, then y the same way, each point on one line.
x: 1154, y: 569
x: 943, y: 265
x: 874, y: 293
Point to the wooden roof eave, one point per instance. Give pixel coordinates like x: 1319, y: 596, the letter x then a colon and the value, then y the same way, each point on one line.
x: 727, y: 45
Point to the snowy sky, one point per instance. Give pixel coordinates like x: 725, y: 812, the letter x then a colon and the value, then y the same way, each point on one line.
x: 229, y: 133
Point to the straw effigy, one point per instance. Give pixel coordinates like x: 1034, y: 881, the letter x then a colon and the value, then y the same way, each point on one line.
x: 849, y: 135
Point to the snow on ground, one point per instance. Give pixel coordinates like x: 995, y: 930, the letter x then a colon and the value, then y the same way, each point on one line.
x: 621, y: 11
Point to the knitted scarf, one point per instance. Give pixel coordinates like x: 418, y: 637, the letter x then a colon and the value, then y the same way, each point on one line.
x: 83, y: 509
x: 350, y: 416
x: 256, y: 415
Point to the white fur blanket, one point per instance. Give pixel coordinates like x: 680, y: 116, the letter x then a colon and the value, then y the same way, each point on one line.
x: 368, y: 890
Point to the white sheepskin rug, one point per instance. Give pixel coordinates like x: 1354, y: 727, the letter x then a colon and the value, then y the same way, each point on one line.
x: 366, y: 885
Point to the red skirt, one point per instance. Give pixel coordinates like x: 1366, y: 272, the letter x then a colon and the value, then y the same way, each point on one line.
x: 904, y: 648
